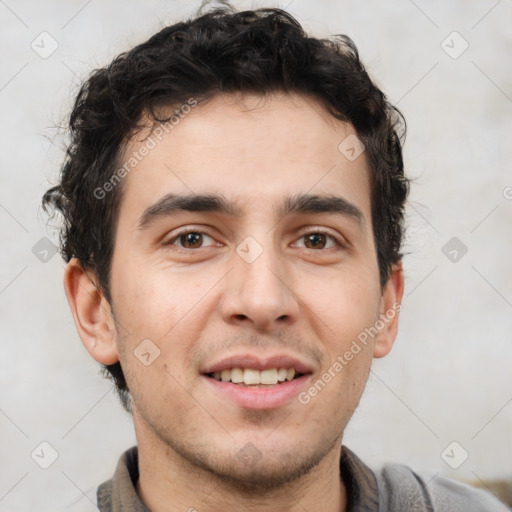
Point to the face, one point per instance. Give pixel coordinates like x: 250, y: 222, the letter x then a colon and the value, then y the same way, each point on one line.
x: 256, y: 284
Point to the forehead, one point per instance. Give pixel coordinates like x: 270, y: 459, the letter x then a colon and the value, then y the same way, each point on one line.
x: 248, y: 148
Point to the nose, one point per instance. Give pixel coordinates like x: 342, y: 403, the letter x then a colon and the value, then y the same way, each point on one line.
x: 260, y: 294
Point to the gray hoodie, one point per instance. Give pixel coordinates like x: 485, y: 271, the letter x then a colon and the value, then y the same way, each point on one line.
x: 394, y: 488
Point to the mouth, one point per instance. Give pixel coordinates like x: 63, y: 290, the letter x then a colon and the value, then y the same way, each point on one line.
x: 253, y: 378
x: 252, y: 382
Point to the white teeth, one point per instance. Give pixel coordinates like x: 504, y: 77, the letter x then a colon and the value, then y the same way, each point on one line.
x: 269, y: 376
x: 251, y: 377
x: 237, y: 375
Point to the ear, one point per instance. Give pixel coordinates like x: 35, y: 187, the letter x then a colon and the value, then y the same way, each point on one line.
x: 391, y: 305
x: 91, y: 312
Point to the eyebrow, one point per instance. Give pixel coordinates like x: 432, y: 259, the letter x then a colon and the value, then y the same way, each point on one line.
x: 213, y: 203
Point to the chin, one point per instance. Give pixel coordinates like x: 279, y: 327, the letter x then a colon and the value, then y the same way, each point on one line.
x: 259, y: 470
x: 259, y: 476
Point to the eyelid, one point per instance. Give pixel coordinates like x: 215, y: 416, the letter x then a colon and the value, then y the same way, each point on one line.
x: 186, y: 231
x: 338, y: 239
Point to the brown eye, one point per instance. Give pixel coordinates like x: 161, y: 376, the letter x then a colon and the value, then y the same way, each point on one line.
x: 190, y: 240
x: 319, y: 240
x: 315, y: 241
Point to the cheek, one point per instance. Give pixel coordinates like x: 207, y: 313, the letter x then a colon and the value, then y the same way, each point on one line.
x: 348, y: 302
x: 162, y: 317
x: 348, y: 309
x: 150, y: 305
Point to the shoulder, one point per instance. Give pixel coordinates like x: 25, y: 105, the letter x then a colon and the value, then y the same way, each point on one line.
x: 400, y: 488
x: 104, y: 496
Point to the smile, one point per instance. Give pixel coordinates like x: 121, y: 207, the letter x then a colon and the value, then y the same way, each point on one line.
x: 252, y: 377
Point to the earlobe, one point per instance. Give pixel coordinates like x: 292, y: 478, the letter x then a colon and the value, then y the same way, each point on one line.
x: 391, y: 305
x: 91, y: 312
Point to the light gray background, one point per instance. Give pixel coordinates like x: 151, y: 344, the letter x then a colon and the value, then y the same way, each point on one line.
x: 448, y: 377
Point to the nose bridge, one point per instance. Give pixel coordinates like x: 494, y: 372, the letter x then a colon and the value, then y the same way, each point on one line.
x: 259, y: 262
x: 258, y: 291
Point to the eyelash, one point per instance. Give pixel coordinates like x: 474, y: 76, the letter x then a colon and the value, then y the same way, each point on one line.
x: 339, y: 244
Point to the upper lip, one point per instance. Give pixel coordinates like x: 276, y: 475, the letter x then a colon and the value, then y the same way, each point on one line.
x: 257, y: 363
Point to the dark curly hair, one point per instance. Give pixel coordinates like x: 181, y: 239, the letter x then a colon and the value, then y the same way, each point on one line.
x: 219, y: 51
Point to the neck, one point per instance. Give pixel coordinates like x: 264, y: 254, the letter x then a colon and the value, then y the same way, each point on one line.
x: 168, y: 483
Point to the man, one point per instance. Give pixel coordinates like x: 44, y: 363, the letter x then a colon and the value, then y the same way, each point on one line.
x: 233, y: 198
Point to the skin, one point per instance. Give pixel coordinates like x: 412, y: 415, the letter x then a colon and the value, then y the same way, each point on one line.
x: 203, y: 303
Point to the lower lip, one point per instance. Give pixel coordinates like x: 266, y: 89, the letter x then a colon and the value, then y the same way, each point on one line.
x: 260, y: 398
